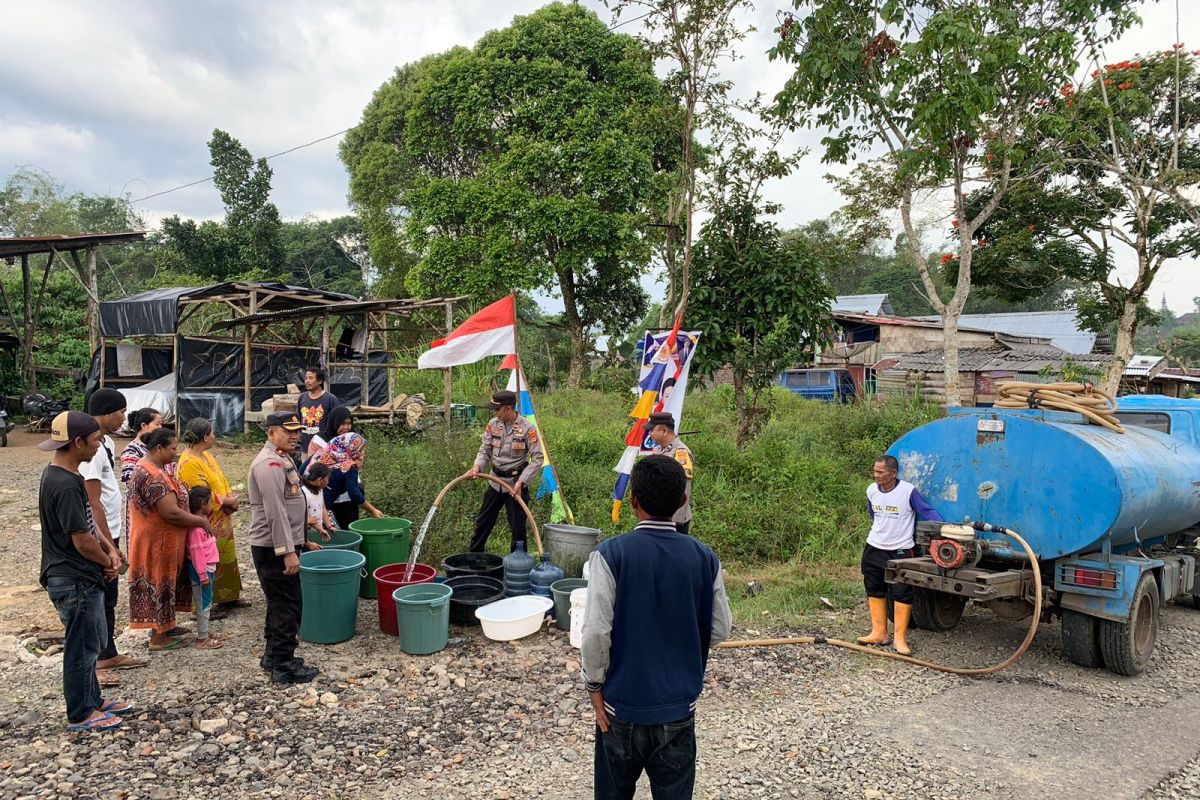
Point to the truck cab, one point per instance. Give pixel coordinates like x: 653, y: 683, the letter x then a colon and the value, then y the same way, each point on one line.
x: 827, y: 384
x: 1176, y: 417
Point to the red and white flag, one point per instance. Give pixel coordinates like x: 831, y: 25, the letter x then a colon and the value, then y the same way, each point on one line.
x: 491, y: 332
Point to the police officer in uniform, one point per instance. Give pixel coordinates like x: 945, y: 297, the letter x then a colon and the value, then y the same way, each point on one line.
x: 512, y: 447
x: 668, y: 443
x: 278, y: 512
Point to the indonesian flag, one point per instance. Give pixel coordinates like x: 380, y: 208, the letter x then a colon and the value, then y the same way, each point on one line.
x: 491, y: 332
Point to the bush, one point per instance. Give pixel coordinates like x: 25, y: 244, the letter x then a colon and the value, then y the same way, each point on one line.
x: 795, y: 493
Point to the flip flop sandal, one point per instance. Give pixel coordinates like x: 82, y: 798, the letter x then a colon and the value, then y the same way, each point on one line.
x: 178, y: 631
x: 216, y: 615
x: 104, y: 679
x: 118, y: 707
x: 211, y: 643
x: 239, y: 603
x: 174, y: 644
x: 105, y: 723
x: 126, y: 662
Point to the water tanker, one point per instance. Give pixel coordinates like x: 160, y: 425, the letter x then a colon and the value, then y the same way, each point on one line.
x: 1111, y: 517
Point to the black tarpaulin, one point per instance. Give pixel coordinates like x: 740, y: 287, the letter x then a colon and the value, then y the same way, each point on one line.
x: 156, y: 312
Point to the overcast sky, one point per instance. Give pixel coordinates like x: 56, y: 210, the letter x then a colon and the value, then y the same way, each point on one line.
x: 121, y: 98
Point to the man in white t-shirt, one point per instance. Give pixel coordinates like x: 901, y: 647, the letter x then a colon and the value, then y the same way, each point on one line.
x: 894, y: 506
x: 101, y: 479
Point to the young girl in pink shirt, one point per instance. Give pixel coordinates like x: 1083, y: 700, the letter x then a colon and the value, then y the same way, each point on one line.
x: 202, y: 558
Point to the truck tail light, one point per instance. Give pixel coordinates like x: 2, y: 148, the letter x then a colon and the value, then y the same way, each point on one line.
x: 1093, y: 578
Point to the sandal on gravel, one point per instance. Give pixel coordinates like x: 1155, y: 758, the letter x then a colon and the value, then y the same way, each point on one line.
x: 239, y: 603
x: 118, y: 707
x: 178, y: 631
x: 104, y: 723
x: 104, y: 679
x: 121, y: 662
x: 211, y: 643
x: 174, y: 644
x: 217, y: 614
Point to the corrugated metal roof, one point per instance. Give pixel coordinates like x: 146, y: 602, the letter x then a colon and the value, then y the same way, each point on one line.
x: 1143, y: 366
x: 903, y: 322
x: 874, y: 304
x: 1062, y: 328
x: 32, y: 245
x: 997, y: 358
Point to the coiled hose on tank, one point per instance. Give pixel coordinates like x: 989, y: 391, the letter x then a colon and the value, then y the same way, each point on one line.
x: 871, y: 651
x: 1082, y: 398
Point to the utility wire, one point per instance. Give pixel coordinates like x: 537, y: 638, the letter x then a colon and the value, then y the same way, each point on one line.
x: 330, y: 136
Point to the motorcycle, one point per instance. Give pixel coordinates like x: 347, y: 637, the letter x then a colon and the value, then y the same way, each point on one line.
x: 41, y: 411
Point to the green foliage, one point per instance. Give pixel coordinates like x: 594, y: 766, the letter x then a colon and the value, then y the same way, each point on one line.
x: 62, y: 338
x: 326, y: 254
x: 525, y: 162
x: 795, y: 493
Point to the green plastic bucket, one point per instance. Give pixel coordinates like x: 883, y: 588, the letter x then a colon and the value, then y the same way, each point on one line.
x: 338, y: 540
x: 329, y: 583
x: 561, y: 591
x: 423, y: 616
x: 384, y: 541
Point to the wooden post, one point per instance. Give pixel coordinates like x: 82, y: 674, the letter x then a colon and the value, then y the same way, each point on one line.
x: 93, y: 299
x: 365, y: 385
x: 391, y: 374
x: 246, y: 395
x: 175, y: 367
x: 446, y: 373
x: 102, y: 362
x: 27, y: 292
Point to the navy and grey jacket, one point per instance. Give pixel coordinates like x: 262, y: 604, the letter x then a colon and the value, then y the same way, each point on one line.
x: 655, y: 605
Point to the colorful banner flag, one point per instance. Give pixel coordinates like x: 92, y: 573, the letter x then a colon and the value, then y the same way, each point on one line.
x: 666, y: 364
x: 491, y: 332
x: 549, y: 485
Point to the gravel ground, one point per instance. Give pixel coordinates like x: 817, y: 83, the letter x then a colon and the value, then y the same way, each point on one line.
x: 510, y: 720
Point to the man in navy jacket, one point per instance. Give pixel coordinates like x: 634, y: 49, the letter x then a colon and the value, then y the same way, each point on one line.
x: 656, y: 604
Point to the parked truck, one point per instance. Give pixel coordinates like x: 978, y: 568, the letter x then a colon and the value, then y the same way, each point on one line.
x: 1112, y: 518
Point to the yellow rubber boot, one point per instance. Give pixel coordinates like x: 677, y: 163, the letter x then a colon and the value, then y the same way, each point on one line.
x: 879, y: 628
x: 900, y: 614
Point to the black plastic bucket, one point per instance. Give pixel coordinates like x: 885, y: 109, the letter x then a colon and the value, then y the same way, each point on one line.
x: 470, y: 593
x: 486, y: 564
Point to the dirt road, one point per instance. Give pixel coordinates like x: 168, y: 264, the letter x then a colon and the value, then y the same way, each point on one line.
x: 489, y: 720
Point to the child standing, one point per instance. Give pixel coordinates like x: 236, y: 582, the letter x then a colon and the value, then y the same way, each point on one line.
x: 202, y: 566
x: 315, y: 479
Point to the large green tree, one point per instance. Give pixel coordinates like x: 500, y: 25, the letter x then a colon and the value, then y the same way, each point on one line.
x: 758, y: 296
x: 1128, y: 161
x: 328, y: 254
x: 946, y: 90
x: 526, y: 162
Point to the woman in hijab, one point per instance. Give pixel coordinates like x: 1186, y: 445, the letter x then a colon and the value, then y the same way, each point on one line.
x: 344, y: 495
x: 336, y: 423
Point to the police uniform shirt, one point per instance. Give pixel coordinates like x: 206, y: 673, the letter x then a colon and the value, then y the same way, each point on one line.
x: 517, y: 447
x: 680, y: 452
x: 278, y: 509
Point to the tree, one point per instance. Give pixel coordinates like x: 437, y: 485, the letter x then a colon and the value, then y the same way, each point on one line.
x: 693, y: 36
x: 526, y: 162
x: 759, y: 297
x: 326, y: 254
x: 1131, y: 153
x: 947, y: 91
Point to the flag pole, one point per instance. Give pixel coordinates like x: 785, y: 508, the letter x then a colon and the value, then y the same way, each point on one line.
x: 516, y: 351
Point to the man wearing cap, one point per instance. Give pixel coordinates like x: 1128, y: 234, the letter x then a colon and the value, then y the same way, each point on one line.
x: 512, y: 447
x: 107, y: 407
x: 77, y: 562
x: 278, y: 512
x: 667, y: 443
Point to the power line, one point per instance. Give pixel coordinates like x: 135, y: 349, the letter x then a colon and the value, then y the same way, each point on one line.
x: 332, y: 135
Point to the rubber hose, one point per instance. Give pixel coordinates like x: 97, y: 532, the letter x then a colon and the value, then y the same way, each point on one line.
x: 504, y: 487
x: 871, y: 651
x: 1099, y: 407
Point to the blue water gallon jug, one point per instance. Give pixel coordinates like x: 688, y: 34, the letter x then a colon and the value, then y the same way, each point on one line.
x: 518, y: 565
x: 543, y: 575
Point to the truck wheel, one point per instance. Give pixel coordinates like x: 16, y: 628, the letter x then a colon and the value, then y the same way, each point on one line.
x: 1081, y: 639
x: 1127, y: 646
x: 937, y: 611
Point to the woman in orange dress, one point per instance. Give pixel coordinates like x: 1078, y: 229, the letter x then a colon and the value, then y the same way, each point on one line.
x: 158, y: 524
x: 197, y: 467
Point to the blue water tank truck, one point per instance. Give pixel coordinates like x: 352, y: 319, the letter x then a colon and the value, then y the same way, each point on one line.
x: 1113, y: 519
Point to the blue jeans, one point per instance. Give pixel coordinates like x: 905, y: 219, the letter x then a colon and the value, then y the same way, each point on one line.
x: 667, y: 753
x: 80, y: 605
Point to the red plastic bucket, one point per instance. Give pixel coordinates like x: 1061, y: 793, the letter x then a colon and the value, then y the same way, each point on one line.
x: 389, y: 578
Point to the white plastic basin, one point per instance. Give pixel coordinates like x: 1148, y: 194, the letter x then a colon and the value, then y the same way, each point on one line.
x: 513, y: 617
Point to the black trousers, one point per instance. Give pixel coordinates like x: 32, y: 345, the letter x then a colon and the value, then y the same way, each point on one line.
x: 344, y: 513
x: 111, y: 595
x: 874, y: 562
x: 666, y: 753
x: 285, y: 604
x: 493, y: 500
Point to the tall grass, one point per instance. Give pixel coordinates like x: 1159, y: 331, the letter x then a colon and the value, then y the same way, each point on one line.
x: 796, y: 494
